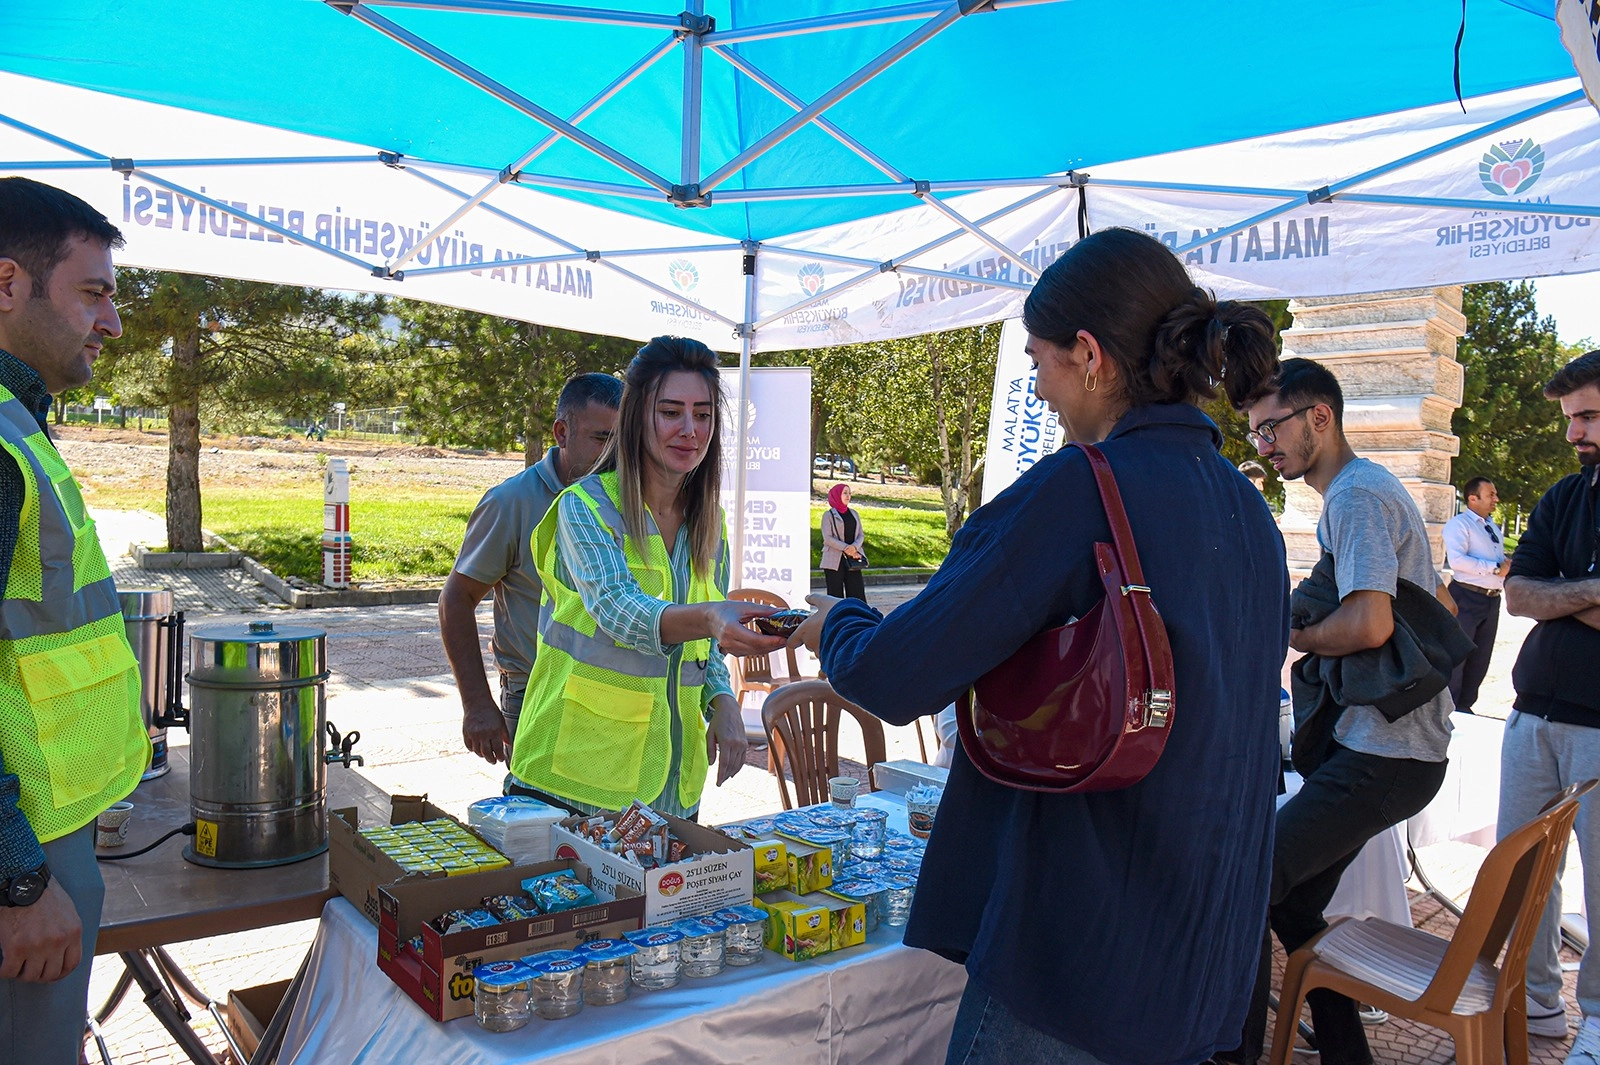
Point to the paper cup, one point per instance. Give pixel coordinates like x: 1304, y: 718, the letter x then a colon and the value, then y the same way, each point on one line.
x: 111, y: 827
x: 842, y: 790
x: 919, y: 818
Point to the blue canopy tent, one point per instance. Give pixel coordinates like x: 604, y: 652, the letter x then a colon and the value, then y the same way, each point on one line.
x: 767, y: 175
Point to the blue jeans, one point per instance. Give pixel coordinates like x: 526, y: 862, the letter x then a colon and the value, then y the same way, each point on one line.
x: 986, y: 1033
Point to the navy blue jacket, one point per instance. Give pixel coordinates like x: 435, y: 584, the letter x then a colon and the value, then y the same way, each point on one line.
x: 1127, y: 923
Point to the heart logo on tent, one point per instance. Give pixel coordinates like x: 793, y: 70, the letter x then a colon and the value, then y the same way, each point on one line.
x: 811, y: 278
x: 683, y: 275
x: 1509, y: 175
x: 1511, y: 167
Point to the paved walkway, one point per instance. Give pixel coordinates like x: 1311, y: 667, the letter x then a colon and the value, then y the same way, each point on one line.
x: 390, y: 680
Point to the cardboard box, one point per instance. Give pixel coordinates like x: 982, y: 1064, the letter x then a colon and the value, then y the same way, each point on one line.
x: 719, y: 871
x: 771, y: 858
x: 250, y: 1010
x: 900, y: 776
x: 357, y: 868
x: 439, y: 978
x: 810, y: 868
x: 806, y: 926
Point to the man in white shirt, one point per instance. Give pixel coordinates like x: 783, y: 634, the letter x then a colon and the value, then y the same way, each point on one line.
x: 1475, y: 548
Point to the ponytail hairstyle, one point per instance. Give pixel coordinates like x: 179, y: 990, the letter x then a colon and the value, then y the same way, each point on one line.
x: 1172, y: 342
x: 628, y: 450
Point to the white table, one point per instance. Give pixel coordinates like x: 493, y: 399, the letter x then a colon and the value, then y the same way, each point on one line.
x: 1467, y: 807
x: 877, y: 1003
x: 1375, y: 883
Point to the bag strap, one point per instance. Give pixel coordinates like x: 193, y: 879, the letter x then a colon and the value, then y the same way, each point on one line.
x: 1116, y: 516
x: 1155, y: 648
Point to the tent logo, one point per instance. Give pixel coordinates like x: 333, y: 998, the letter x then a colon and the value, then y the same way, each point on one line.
x: 683, y: 274
x: 811, y: 278
x: 1511, y: 167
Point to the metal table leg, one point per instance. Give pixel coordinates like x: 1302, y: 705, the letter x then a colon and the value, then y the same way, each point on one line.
x: 145, y: 967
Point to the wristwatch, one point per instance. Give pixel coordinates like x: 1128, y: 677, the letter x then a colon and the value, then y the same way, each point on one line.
x: 25, y: 889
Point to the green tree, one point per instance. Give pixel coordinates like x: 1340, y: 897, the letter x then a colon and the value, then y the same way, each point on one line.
x: 207, y: 345
x: 1509, y: 432
x: 921, y: 401
x: 485, y: 381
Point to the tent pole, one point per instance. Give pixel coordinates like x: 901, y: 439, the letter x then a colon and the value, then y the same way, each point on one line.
x: 400, y: 35
x: 510, y: 173
x: 786, y: 129
x: 746, y: 335
x: 1330, y: 191
x: 694, y: 59
x: 555, y: 12
x: 1028, y: 269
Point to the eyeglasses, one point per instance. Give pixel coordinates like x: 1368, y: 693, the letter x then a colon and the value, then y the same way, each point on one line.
x: 1267, y: 432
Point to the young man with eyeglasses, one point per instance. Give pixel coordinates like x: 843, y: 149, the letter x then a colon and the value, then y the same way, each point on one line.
x: 1377, y: 772
x: 1474, y: 546
x: 1553, y: 737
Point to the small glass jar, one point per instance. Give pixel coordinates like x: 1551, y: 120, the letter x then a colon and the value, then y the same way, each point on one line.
x: 704, y: 948
x: 898, y: 891
x: 558, y: 987
x: 868, y: 833
x: 605, y: 974
x: 745, y: 927
x: 657, y: 961
x: 502, y: 999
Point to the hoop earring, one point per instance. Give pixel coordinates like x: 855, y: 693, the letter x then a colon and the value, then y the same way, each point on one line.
x: 1090, y: 381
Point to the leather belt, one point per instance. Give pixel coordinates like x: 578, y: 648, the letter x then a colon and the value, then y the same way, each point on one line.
x: 1492, y: 593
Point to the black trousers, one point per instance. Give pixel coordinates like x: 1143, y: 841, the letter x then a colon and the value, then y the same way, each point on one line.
x: 845, y: 583
x: 1348, y: 800
x: 1479, y: 615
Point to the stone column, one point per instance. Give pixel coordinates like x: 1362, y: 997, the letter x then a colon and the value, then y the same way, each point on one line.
x: 1394, y: 354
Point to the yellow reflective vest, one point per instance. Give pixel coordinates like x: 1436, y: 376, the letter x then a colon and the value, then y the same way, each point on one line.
x: 602, y: 723
x: 70, y: 727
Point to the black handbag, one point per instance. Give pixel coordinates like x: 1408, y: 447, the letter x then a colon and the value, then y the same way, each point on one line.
x: 846, y: 562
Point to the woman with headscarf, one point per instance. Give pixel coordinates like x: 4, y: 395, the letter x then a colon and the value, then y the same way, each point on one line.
x: 842, y: 543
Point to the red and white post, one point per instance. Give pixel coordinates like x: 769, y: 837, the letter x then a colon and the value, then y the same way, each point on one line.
x: 336, y: 525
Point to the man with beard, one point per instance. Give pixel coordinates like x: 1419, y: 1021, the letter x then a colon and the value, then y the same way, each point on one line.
x: 1552, y: 739
x: 1377, y: 772
x: 71, y: 738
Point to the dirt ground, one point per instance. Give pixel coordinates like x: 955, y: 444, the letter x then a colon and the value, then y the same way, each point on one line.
x: 124, y: 460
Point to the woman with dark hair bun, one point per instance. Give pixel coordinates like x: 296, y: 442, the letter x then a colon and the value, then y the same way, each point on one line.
x: 629, y: 697
x: 1115, y: 926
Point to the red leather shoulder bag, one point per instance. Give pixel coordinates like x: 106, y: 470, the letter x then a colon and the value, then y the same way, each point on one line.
x: 1087, y: 706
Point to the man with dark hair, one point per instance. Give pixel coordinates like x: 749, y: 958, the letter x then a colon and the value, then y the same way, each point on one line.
x: 71, y: 738
x: 1257, y: 474
x: 495, y: 556
x: 1377, y: 772
x: 1552, y: 739
x: 1474, y: 546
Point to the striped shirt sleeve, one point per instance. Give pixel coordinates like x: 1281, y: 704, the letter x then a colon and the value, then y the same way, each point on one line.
x: 597, y: 569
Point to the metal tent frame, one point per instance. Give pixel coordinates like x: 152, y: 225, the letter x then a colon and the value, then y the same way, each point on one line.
x: 696, y: 34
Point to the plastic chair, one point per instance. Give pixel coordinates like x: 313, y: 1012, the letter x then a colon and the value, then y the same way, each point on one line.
x: 802, y: 723
x: 1451, y: 984
x: 754, y: 672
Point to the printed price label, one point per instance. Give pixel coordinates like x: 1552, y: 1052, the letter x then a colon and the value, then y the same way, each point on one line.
x: 205, y: 838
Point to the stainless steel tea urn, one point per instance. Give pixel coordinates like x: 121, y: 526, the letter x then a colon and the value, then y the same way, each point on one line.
x: 156, y: 635
x: 257, y: 772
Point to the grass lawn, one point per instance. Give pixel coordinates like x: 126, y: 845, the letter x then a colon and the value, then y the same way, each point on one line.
x: 896, y: 536
x: 408, y: 537
x: 415, y: 536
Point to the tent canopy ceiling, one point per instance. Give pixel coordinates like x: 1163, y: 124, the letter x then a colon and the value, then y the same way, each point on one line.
x: 1015, y: 93
x: 773, y: 176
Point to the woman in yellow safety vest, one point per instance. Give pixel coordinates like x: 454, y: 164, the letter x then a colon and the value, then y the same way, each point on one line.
x: 629, y: 696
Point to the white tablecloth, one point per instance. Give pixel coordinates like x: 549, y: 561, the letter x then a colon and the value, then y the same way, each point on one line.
x: 877, y: 1003
x: 1375, y: 883
x: 1468, y: 804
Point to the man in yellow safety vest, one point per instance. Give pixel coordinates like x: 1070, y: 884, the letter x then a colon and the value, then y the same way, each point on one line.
x: 71, y: 738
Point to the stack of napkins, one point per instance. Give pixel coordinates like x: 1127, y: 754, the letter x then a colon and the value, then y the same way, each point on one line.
x: 516, y: 826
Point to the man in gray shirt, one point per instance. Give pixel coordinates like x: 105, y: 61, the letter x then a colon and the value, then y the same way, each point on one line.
x: 495, y: 556
x: 1378, y: 772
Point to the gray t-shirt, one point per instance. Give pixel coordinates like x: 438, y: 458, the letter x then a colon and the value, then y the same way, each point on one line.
x: 497, y: 551
x: 1372, y: 527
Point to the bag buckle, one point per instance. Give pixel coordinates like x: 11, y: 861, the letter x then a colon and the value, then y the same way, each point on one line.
x: 1154, y: 708
x: 1129, y: 588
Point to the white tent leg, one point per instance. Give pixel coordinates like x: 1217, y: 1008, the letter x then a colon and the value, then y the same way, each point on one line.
x: 746, y: 336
